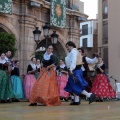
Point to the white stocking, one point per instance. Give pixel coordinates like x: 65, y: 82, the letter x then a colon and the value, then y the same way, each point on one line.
x: 76, y: 98
x: 86, y: 93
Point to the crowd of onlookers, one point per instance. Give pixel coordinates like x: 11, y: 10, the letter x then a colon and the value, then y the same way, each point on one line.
x: 12, y: 87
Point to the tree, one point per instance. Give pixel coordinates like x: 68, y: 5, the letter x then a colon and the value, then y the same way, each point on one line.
x: 7, y: 42
x: 39, y: 55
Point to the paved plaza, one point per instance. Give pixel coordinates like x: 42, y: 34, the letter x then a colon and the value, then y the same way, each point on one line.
x: 108, y: 110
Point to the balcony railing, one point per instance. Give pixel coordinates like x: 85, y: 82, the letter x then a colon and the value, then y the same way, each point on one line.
x: 47, y: 0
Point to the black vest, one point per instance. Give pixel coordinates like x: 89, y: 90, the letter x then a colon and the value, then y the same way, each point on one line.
x: 85, y: 66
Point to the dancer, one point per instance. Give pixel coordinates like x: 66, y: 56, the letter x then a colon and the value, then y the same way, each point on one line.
x: 62, y: 78
x: 101, y: 86
x: 29, y: 79
x: 6, y: 92
x: 16, y: 81
x: 86, y: 60
x: 85, y: 68
x: 76, y: 83
x: 45, y: 89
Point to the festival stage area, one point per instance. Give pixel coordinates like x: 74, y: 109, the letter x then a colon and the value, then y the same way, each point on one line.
x: 108, y: 110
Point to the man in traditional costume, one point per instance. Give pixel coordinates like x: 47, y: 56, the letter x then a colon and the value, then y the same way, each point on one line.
x: 76, y: 83
x: 87, y: 61
x: 87, y: 71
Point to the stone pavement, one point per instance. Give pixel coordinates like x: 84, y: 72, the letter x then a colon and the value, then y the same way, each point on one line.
x: 108, y: 110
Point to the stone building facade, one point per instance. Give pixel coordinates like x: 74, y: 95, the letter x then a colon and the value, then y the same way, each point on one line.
x: 109, y: 36
x: 103, y: 30
x: 88, y: 38
x: 25, y: 18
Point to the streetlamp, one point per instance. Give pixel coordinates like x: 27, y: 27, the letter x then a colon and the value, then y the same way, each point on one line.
x: 37, y: 33
x: 46, y: 29
x: 54, y: 37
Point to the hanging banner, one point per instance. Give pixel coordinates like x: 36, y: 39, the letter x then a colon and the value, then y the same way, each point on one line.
x: 6, y: 6
x: 58, y: 13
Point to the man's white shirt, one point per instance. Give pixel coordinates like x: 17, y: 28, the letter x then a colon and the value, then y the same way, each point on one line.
x: 71, y: 59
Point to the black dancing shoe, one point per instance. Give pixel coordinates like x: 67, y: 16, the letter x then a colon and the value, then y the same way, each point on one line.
x: 75, y: 103
x: 33, y: 104
x: 91, y: 98
x: 101, y: 100
x: 3, y: 101
x: 72, y: 100
x: 97, y: 100
x: 66, y: 99
x: 15, y: 100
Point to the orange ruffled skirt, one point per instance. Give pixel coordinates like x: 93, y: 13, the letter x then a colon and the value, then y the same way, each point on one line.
x: 45, y: 89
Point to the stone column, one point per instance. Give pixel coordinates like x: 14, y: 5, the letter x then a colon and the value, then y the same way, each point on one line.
x: 74, y: 31
x: 26, y: 42
x: 100, y: 26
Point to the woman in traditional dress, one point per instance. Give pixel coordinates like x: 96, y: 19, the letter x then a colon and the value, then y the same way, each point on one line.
x: 62, y: 78
x: 16, y: 81
x: 5, y: 85
x: 45, y: 89
x: 101, y: 86
x: 29, y: 79
x: 38, y: 67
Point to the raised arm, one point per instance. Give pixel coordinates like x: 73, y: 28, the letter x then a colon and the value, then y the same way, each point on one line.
x: 91, y: 61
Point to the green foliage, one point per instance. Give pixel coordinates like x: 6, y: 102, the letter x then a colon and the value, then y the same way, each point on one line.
x: 39, y: 55
x: 7, y: 42
x: 57, y: 60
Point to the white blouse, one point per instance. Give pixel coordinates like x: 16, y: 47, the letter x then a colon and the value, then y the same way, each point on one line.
x: 2, y: 61
x: 71, y: 59
x: 47, y: 56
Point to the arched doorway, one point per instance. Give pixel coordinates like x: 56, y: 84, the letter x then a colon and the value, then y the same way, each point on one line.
x: 58, y: 49
x: 4, y: 29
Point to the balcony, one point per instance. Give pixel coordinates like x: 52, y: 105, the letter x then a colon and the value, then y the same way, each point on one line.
x: 47, y: 0
x: 67, y: 3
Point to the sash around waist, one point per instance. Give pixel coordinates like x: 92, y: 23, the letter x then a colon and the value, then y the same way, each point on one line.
x: 77, y: 67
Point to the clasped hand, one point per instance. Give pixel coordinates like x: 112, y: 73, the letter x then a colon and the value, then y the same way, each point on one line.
x: 70, y: 72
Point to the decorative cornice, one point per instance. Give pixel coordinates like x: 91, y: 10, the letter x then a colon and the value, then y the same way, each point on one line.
x: 47, y: 5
